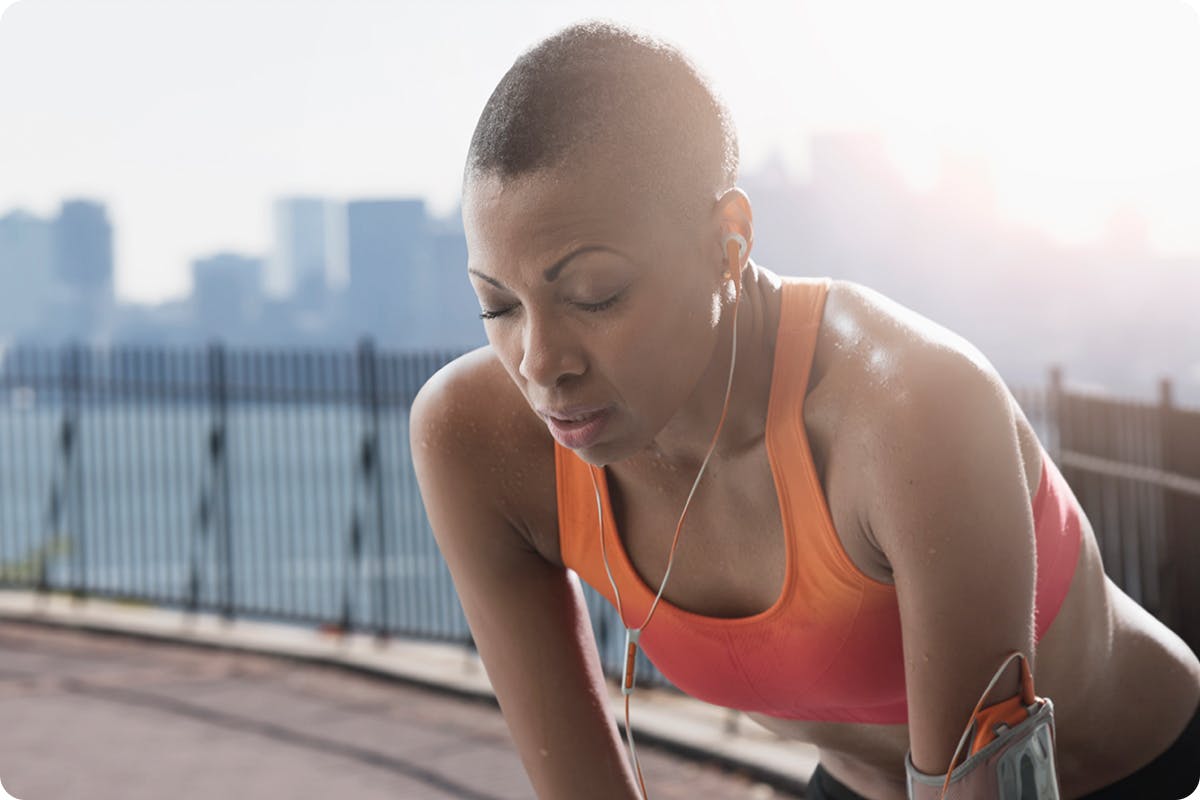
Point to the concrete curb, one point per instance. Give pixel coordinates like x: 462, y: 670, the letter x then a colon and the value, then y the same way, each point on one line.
x: 671, y: 721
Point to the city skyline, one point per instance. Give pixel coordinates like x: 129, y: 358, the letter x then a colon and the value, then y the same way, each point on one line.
x: 1024, y: 301
x: 402, y: 289
x: 314, y: 220
x: 350, y: 105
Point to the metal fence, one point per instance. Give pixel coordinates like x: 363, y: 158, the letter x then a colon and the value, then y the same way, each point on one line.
x: 278, y: 484
x: 271, y: 484
x: 259, y: 484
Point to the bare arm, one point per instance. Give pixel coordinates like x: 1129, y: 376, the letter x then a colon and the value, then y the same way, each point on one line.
x: 527, y: 615
x: 950, y: 508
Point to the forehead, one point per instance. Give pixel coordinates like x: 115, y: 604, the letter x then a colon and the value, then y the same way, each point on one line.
x: 547, y: 206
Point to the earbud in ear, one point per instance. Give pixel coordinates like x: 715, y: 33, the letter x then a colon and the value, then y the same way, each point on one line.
x: 734, y: 270
x: 741, y: 243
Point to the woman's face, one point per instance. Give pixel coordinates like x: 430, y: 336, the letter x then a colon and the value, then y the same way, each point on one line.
x: 593, y: 296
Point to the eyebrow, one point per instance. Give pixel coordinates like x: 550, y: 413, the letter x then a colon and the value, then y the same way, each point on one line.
x: 552, y: 272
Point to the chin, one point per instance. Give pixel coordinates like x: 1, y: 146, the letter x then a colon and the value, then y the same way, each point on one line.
x: 605, y: 453
x: 598, y: 456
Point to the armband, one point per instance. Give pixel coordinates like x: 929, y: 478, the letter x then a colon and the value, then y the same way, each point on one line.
x: 1011, y: 756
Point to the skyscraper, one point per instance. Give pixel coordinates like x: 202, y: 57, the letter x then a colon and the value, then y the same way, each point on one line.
x: 391, y: 276
x: 83, y: 263
x: 26, y: 271
x: 83, y: 247
x: 299, y: 265
x: 458, y: 324
x: 226, y: 294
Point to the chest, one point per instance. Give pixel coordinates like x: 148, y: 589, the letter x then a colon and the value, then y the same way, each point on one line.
x: 731, y: 556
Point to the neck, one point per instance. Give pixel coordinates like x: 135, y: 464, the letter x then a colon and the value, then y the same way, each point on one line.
x: 685, y: 439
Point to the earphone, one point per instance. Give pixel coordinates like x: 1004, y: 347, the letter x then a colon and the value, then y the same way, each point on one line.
x: 741, y: 243
x: 632, y: 634
x: 735, y: 271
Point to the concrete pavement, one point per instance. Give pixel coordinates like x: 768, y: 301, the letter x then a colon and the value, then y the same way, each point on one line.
x: 148, y: 714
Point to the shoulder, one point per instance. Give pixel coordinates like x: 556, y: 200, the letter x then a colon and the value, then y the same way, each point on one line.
x: 472, y: 421
x: 915, y: 394
x: 915, y: 382
x: 881, y: 330
x: 892, y: 359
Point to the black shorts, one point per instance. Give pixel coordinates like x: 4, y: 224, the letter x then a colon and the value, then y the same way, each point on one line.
x: 1172, y: 776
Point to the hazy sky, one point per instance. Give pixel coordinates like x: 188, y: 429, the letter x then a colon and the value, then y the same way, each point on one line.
x: 188, y: 116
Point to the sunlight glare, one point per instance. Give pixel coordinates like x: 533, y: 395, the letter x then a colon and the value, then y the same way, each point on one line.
x: 1057, y: 96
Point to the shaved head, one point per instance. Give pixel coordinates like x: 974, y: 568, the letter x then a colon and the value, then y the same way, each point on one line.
x: 604, y: 93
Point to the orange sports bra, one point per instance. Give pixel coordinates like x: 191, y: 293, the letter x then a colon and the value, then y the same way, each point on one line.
x: 829, y: 648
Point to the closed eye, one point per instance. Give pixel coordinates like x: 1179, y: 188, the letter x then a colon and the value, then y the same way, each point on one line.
x: 603, y: 304
x: 593, y: 307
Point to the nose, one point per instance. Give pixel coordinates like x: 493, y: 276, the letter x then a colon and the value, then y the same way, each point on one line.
x: 550, y: 352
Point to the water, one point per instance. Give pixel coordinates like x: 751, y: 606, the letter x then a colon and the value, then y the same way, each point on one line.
x: 130, y: 516
x: 130, y: 521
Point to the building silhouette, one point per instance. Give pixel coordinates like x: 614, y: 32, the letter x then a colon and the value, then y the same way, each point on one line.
x: 83, y: 251
x: 227, y: 295
x: 83, y: 264
x: 1113, y: 312
x: 457, y: 324
x: 1021, y: 299
x: 298, y: 268
x: 56, y: 275
x: 390, y: 255
x: 406, y: 281
x: 26, y: 271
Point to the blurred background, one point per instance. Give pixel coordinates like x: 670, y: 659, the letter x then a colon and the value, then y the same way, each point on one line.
x: 231, y: 251
x: 1023, y: 173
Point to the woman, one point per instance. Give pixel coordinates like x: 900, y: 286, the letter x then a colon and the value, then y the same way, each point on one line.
x: 875, y: 525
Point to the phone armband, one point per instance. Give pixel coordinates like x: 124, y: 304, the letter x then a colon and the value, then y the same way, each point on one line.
x: 1010, y: 754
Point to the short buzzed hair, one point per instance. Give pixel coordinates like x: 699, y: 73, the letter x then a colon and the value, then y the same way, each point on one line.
x: 599, y: 83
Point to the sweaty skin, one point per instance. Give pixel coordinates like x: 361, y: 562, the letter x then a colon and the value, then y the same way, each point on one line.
x: 1123, y: 685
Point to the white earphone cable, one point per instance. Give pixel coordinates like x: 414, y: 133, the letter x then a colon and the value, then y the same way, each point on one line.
x: 632, y: 634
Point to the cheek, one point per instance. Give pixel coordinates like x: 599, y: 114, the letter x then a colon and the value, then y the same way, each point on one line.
x: 506, y: 344
x: 660, y: 363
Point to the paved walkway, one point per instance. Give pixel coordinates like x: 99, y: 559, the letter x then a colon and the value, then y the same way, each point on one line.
x: 96, y: 716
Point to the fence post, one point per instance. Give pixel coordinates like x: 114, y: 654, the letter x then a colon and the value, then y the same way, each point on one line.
x: 1169, y: 593
x: 1055, y: 413
x: 1180, y: 568
x: 218, y: 394
x: 368, y: 384
x: 72, y: 469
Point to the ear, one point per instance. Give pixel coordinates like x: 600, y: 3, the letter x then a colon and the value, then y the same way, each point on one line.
x: 732, y: 214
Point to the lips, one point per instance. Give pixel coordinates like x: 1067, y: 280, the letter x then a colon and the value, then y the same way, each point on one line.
x: 571, y: 413
x: 574, y: 417
x: 577, y: 427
